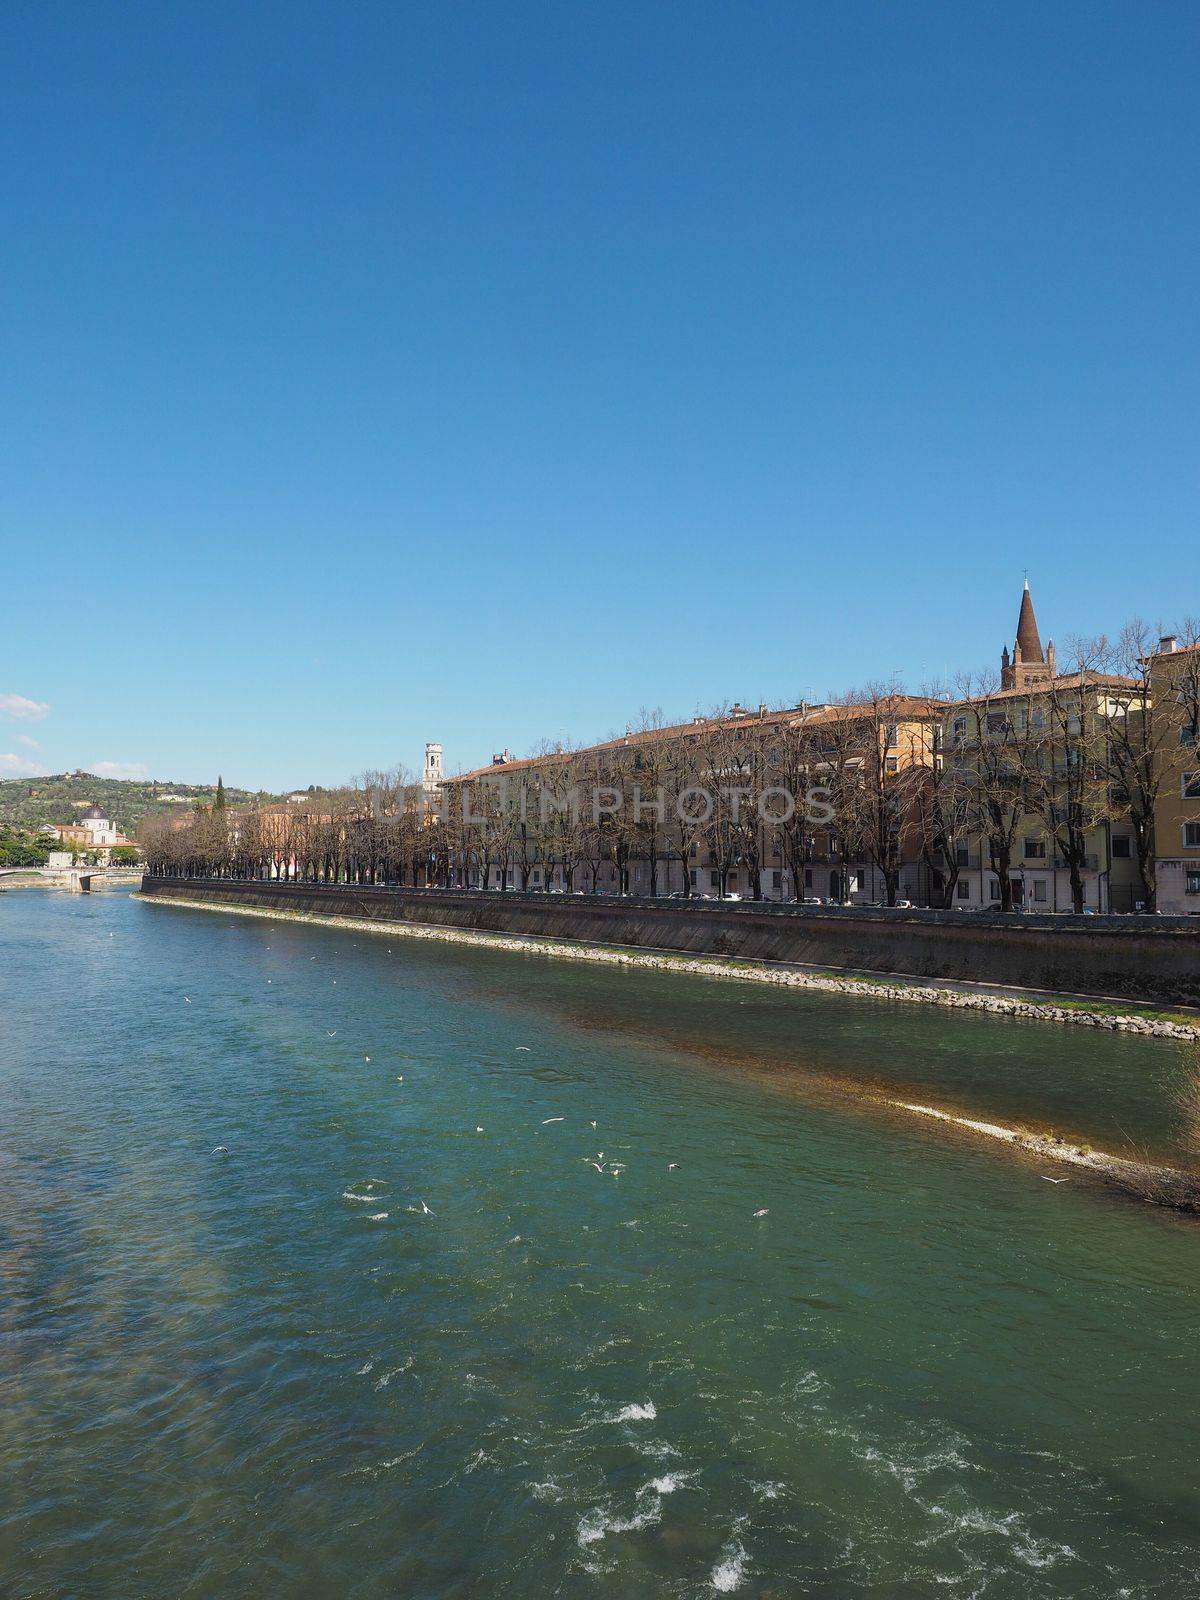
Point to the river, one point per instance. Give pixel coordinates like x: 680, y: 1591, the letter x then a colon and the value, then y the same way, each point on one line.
x: 311, y: 1286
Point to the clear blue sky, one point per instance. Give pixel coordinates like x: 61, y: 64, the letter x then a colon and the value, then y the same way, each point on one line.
x: 485, y: 372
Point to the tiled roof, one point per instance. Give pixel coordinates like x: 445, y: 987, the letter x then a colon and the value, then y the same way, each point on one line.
x: 1065, y: 680
x: 896, y: 708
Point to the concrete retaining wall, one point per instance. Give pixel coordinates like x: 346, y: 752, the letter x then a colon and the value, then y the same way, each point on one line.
x: 1146, y: 959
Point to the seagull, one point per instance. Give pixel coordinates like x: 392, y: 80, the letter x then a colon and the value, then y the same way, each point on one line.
x: 187, y: 999
x: 332, y: 1035
x: 596, y: 1164
x: 478, y: 1129
x: 546, y: 1120
x: 593, y: 1124
x: 1045, y: 1179
x: 221, y: 1150
x: 425, y: 1211
x: 762, y: 1212
x: 366, y: 1058
x: 400, y: 1079
x: 671, y: 1165
x: 524, y: 1047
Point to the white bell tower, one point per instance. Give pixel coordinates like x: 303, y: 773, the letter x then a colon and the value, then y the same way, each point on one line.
x: 432, y: 778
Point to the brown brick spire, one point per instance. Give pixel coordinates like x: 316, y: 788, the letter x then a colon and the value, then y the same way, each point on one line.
x: 1029, y: 644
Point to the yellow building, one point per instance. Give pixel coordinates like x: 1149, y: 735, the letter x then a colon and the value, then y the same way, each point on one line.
x: 1175, y: 687
x: 1024, y: 770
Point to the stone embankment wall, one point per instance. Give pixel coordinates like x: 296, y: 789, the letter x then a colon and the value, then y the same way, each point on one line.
x: 1145, y: 959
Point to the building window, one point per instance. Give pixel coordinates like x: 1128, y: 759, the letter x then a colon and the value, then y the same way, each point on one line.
x: 893, y: 763
x: 1191, y: 836
x: 993, y: 888
x: 964, y: 891
x: 962, y: 856
x: 1191, y: 786
x: 777, y: 880
x: 1121, y: 850
x: 893, y: 735
x: 713, y: 881
x: 1193, y: 883
x: 997, y: 723
x: 1039, y: 890
x: 960, y: 728
x: 692, y: 877
x: 1035, y: 850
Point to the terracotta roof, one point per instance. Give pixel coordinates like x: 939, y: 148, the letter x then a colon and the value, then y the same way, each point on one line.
x: 1065, y: 680
x: 898, y: 708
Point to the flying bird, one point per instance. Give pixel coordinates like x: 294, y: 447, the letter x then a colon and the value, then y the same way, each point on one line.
x: 545, y: 1120
x: 762, y: 1212
x: 221, y: 1150
x: 1045, y: 1179
x: 332, y: 1035
x: 524, y: 1047
x: 671, y: 1165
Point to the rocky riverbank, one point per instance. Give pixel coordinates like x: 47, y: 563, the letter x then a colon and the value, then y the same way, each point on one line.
x: 1113, y: 1017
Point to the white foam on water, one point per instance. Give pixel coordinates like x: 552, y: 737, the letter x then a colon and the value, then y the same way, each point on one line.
x: 657, y: 1449
x: 349, y: 1194
x: 1026, y: 1546
x: 599, y: 1522
x: 635, y: 1413
x: 378, y: 1216
x: 767, y: 1491
x: 671, y: 1481
x: 729, y: 1572
x: 386, y: 1378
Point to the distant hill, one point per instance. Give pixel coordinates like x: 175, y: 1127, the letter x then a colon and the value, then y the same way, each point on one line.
x: 26, y: 802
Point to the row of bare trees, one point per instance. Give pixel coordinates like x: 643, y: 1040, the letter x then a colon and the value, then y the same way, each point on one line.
x: 948, y: 780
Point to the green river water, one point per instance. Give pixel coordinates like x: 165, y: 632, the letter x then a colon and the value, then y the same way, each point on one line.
x: 400, y: 1338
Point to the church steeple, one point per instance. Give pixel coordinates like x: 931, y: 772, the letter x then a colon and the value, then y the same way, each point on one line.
x: 1027, y: 665
x: 1029, y: 644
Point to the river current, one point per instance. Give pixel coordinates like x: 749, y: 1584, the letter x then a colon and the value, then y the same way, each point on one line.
x: 337, y: 1265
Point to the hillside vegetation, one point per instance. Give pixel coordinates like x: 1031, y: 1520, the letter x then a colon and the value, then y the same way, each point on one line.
x: 27, y: 802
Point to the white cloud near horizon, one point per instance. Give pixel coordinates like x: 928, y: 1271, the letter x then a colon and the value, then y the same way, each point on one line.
x: 23, y: 738
x: 118, y: 769
x: 16, y: 766
x: 21, y: 709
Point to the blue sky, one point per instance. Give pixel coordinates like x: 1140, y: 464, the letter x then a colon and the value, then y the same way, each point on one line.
x: 485, y: 372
